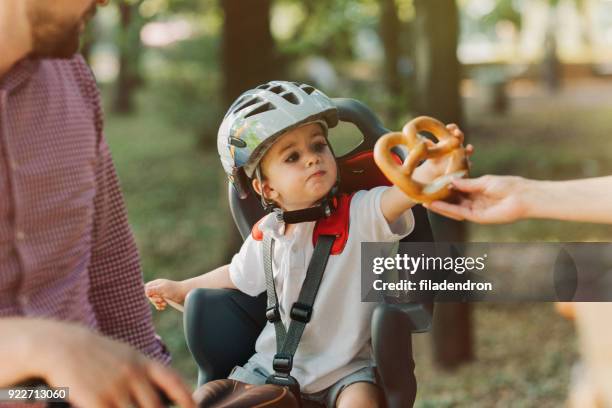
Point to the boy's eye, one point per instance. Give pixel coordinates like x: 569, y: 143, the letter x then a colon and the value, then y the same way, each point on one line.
x: 319, y: 147
x: 293, y: 157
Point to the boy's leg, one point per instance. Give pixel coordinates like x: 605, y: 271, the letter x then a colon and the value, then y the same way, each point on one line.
x: 360, y: 395
x: 251, y: 373
x: 357, y: 389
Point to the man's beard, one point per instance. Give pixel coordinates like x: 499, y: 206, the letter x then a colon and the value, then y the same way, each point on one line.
x: 53, y: 39
x: 58, y: 43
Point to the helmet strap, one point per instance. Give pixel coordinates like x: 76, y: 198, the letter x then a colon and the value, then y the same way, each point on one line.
x: 267, y: 205
x: 322, y: 210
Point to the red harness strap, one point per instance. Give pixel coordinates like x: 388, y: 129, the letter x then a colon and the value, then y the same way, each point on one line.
x: 336, y: 224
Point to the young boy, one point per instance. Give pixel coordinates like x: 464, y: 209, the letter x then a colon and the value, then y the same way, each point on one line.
x: 277, y: 135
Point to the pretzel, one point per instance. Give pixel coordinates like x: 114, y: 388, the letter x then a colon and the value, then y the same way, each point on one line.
x: 421, y: 149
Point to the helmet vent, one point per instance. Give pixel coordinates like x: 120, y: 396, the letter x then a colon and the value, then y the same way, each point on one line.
x: 248, y: 103
x: 277, y: 89
x: 290, y: 97
x: 237, y: 142
x: 266, y: 107
x: 308, y: 89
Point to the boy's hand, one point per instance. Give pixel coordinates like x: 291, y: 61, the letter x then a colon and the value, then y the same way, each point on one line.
x: 159, y: 290
x: 434, y: 168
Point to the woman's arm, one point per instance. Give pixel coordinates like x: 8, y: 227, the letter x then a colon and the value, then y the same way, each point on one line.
x: 587, y: 200
x: 502, y: 199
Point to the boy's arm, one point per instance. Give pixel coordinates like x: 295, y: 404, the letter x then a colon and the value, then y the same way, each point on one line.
x: 393, y: 203
x: 243, y: 273
x: 162, y: 291
x: 216, y: 279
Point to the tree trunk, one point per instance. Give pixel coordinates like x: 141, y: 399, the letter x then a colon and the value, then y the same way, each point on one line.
x: 248, y: 59
x: 248, y: 51
x: 551, y: 64
x: 438, y: 79
x: 389, y: 33
x: 437, y: 66
x: 130, y: 49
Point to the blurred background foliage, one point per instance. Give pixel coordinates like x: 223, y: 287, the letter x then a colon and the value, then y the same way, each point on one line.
x: 528, y: 81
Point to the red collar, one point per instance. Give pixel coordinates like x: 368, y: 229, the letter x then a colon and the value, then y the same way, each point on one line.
x: 336, y: 224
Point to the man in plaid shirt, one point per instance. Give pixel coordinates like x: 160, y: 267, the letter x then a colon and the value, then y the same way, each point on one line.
x: 72, y: 304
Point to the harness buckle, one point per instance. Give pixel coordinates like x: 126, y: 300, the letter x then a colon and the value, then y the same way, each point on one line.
x: 282, y: 363
x: 273, y: 314
x: 301, y: 312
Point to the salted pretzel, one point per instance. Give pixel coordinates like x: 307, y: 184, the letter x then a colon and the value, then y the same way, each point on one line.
x: 421, y: 148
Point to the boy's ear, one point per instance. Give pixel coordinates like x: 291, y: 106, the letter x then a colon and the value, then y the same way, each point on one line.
x: 263, y: 189
x: 256, y: 185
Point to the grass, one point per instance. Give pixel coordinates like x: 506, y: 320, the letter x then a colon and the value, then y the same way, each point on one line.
x: 523, y: 357
x: 176, y: 200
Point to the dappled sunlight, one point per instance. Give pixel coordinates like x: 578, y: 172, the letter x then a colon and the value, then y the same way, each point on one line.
x: 163, y: 34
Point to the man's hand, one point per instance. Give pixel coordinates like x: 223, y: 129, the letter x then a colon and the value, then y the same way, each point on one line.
x: 159, y: 290
x: 434, y: 168
x: 486, y: 200
x: 101, y: 372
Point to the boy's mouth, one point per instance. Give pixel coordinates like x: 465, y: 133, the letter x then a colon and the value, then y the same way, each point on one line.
x: 317, y: 174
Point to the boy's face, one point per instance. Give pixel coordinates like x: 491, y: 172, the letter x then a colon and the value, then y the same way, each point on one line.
x: 299, y: 169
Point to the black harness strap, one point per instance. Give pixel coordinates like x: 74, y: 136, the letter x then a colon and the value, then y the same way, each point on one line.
x: 287, y: 341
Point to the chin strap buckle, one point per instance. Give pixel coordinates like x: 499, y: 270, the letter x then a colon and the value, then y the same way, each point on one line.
x: 322, y: 210
x: 278, y: 213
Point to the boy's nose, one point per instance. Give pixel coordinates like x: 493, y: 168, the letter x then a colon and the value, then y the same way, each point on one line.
x: 312, y: 159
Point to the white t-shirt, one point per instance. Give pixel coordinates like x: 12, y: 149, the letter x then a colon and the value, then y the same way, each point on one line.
x: 336, y: 341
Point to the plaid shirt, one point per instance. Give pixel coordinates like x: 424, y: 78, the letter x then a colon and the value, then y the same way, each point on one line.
x: 66, y: 249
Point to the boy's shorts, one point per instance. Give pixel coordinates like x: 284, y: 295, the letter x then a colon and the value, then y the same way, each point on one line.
x: 253, y: 373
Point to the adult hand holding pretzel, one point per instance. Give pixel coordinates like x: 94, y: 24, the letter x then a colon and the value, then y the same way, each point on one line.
x: 445, y: 160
